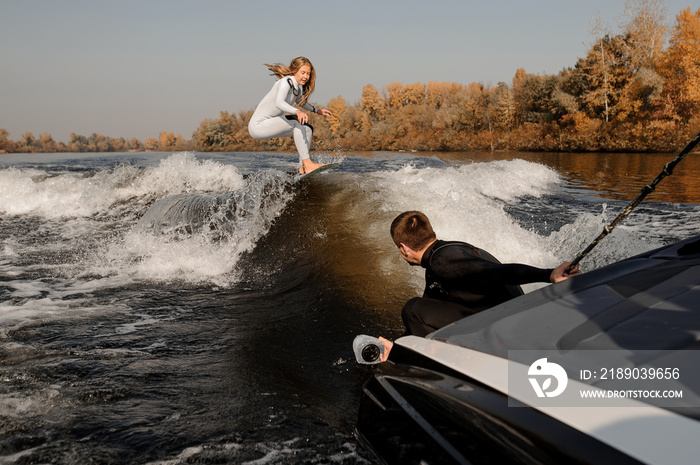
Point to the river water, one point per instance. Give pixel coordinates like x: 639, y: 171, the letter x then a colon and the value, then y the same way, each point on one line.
x: 161, y: 308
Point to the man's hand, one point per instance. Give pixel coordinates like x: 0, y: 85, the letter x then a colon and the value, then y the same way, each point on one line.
x: 560, y: 273
x: 388, y: 344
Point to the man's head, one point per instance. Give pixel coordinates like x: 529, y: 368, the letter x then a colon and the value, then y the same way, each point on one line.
x: 412, y: 233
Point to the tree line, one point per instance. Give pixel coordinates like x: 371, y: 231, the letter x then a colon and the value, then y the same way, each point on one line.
x: 630, y: 92
x: 45, y: 143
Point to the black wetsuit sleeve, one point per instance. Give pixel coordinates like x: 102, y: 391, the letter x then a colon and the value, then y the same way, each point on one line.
x: 475, y: 269
x: 512, y: 273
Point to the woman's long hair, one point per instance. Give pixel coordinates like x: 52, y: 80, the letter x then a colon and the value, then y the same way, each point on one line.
x: 280, y: 70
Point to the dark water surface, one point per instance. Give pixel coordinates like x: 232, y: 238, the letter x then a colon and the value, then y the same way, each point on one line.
x: 198, y: 308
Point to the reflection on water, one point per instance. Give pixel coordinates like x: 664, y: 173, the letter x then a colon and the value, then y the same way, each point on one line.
x: 620, y: 176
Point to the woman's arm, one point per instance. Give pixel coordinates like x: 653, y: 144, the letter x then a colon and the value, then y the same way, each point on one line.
x: 283, y: 90
x: 313, y: 109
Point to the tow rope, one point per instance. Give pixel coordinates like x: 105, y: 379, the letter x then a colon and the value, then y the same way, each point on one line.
x: 649, y: 188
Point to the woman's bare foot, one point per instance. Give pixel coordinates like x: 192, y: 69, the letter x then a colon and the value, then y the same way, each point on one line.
x: 308, y: 166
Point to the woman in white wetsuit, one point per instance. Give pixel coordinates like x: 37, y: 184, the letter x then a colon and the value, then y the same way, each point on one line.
x: 295, y: 85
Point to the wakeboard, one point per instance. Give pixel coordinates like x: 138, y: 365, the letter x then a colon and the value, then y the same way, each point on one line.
x: 300, y: 177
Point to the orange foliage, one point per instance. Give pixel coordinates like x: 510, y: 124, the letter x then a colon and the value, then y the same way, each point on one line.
x: 681, y: 66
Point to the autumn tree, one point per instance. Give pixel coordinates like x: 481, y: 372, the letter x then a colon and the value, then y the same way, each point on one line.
x: 242, y: 121
x: 599, y: 80
x: 77, y: 143
x: 471, y: 106
x: 441, y: 102
x: 641, y: 97
x: 409, y: 118
x: 645, y: 36
x: 394, y: 96
x: 26, y: 142
x: 518, y: 81
x: 45, y: 143
x: 151, y: 144
x: 135, y: 145
x: 681, y: 67
x: 338, y: 108
x: 645, y: 32
x: 99, y: 143
x: 167, y: 140
x: 6, y: 145
x: 503, y: 105
x: 414, y: 94
x: 441, y: 94
x: 373, y: 107
x: 538, y: 98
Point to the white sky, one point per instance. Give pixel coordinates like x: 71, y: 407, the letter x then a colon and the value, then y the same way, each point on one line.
x: 134, y: 68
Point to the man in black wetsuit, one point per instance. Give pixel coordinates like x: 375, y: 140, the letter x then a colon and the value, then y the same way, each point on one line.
x: 460, y: 279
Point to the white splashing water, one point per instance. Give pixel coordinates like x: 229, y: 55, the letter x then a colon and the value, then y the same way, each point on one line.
x: 35, y: 192
x: 93, y: 217
x: 467, y: 203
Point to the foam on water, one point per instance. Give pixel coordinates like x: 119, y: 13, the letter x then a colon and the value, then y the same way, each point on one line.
x: 85, y: 230
x: 77, y: 194
x: 50, y: 299
x: 197, y: 237
x: 267, y: 453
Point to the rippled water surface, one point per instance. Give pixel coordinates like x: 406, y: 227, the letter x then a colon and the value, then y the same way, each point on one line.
x: 199, y: 308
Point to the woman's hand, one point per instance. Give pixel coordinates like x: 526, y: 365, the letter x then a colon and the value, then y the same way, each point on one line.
x: 302, y: 117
